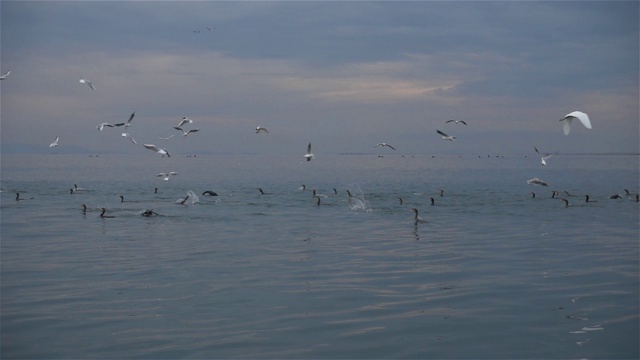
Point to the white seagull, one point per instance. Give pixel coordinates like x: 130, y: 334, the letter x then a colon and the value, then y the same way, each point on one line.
x: 165, y: 176
x: 584, y: 119
x: 167, y: 138
x: 102, y: 126
x: 127, y: 135
x: 544, y: 156
x: 536, y: 181
x: 185, y: 133
x: 456, y: 121
x: 85, y: 81
x: 128, y: 123
x: 445, y: 136
x: 5, y: 75
x: 385, y: 144
x: 55, y: 142
x: 157, y: 149
x: 309, y: 155
x: 185, y: 120
x: 262, y: 129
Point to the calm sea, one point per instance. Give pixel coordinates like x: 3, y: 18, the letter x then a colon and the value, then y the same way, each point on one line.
x: 493, y: 274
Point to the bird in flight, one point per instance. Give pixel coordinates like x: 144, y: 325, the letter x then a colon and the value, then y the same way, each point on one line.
x: 309, y: 155
x: 85, y: 81
x: 185, y: 133
x: 445, y: 136
x: 584, y: 119
x: 456, y: 121
x: 185, y: 120
x: 55, y: 142
x: 5, y: 75
x: 544, y: 156
x: 385, y: 144
x: 128, y: 123
x: 260, y: 129
x: 157, y: 149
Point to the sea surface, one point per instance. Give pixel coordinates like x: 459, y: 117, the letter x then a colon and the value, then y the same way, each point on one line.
x: 493, y: 274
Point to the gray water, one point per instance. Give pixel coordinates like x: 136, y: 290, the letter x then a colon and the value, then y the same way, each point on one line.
x: 494, y: 273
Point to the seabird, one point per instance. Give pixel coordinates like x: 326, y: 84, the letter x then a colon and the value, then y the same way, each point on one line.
x: 210, y: 193
x: 584, y: 119
x: 586, y: 199
x: 102, y: 126
x: 102, y: 215
x: 262, y: 129
x: 165, y: 176
x: 128, y: 123
x: 456, y: 121
x: 533, y: 195
x: 167, y: 138
x: 5, y: 75
x: 417, y: 217
x: 55, y: 142
x: 181, y: 202
x: 84, y: 208
x: 85, y: 81
x: 536, y: 181
x: 148, y: 213
x: 566, y: 202
x: 185, y: 120
x: 185, y: 133
x: 433, y: 201
x: 544, y: 156
x: 401, y: 201
x: 155, y: 191
x: 445, y: 136
x: 309, y: 155
x: 566, y: 192
x: 385, y: 144
x: 615, y: 196
x: 554, y: 193
x: 18, y: 197
x: 127, y: 135
x: 157, y: 149
x: 121, y: 198
x: 262, y: 192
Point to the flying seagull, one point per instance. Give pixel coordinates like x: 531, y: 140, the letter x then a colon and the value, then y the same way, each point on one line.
x: 55, y: 142
x: 544, y: 156
x: 385, y: 144
x: 102, y: 126
x: 536, y: 181
x: 262, y: 129
x: 157, y: 149
x: 185, y: 120
x: 584, y: 119
x: 85, y: 81
x: 185, y: 133
x: 455, y: 121
x: 309, y: 155
x: 5, y: 75
x: 127, y: 135
x: 165, y: 176
x: 445, y: 136
x: 128, y: 123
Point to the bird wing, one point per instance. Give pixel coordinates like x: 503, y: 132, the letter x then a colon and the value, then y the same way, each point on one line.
x: 309, y: 148
x: 390, y: 146
x: 448, y: 121
x: 462, y: 121
x: 566, y: 127
x: 441, y: 133
x: 584, y: 118
x: 131, y: 117
x: 193, y: 130
x: 152, y: 147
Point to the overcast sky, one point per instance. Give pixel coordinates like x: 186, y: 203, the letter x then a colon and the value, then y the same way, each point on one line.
x: 342, y: 75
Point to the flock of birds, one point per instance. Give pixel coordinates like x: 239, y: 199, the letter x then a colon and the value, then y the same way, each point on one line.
x: 567, y: 120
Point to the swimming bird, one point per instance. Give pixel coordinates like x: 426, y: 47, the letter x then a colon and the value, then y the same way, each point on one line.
x: 182, y: 201
x: 127, y: 135
x: 210, y: 193
x: 84, y: 208
x: 260, y: 129
x: 19, y: 199
x: 544, y: 156
x: 157, y: 149
x: 584, y: 119
x: 103, y: 125
x: 309, y: 155
x: 570, y: 195
x: 102, y: 215
x: 456, y: 121
x: 554, y: 193
x: 586, y: 199
x: 566, y: 202
x: 262, y: 192
x: 185, y: 120
x: 121, y: 198
x: 185, y: 133
x: 155, y: 191
x: 615, y: 196
x: 441, y: 193
x: 76, y: 188
x: 433, y: 201
x: 318, y: 201
x: 148, y: 213
x: 85, y: 81
x: 303, y: 187
x: 5, y: 75
x: 533, y: 195
x: 401, y: 201
x: 417, y: 218
x: 536, y: 181
x: 55, y: 142
x: 165, y: 176
x: 637, y: 198
x: 385, y: 144
x: 626, y: 191
x: 445, y: 136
